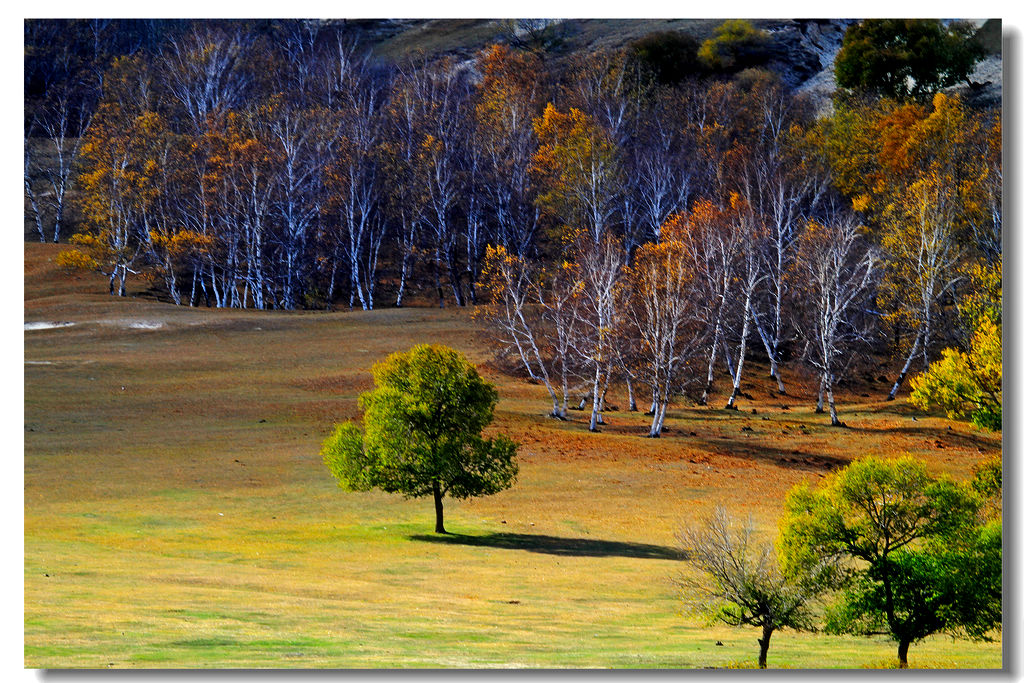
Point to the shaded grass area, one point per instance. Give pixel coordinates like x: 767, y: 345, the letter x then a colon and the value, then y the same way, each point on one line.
x: 177, y: 513
x: 556, y: 545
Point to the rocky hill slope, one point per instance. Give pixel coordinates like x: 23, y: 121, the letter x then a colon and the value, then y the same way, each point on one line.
x: 802, y: 51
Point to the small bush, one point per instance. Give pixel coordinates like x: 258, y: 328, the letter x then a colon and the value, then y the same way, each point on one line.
x: 73, y: 260
x: 670, y: 56
x: 735, y: 45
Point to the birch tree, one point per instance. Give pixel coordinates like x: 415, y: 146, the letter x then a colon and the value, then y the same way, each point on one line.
x: 783, y: 184
x: 576, y: 163
x: 661, y: 317
x: 507, y: 100
x: 356, y: 186
x: 601, y: 267
x: 714, y: 241
x: 750, y: 275
x: 837, y: 269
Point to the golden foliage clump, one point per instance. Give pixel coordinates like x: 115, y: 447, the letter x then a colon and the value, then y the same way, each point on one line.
x: 73, y: 260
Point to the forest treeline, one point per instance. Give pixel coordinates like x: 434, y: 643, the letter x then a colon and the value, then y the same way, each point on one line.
x: 649, y: 214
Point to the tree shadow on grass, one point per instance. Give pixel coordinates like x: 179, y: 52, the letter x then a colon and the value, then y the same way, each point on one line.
x: 794, y: 457
x: 962, y: 439
x: 557, y: 545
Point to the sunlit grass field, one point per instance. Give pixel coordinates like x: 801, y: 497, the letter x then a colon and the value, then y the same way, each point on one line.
x: 177, y: 513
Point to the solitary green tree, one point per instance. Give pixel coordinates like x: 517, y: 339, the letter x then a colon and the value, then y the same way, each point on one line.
x: 913, y: 556
x: 421, y: 432
x: 906, y: 57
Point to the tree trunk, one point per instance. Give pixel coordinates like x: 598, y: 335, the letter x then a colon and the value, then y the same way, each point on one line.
x: 771, y: 347
x: 438, y: 509
x: 595, y: 413
x: 901, y: 653
x: 37, y: 212
x: 831, y: 402
x: 401, y: 279
x: 456, y: 284
x: 658, y: 422
x: 775, y: 373
x: 906, y: 368
x: 763, y: 641
x: 655, y: 430
x: 604, y: 393
x: 820, y: 408
x: 57, y: 221
x: 711, y: 364
x: 437, y: 281
x: 632, y: 396
x: 738, y: 376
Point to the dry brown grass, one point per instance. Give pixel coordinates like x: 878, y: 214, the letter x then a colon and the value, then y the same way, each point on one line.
x: 177, y: 513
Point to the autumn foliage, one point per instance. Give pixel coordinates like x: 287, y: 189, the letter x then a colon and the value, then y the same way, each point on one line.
x: 615, y: 225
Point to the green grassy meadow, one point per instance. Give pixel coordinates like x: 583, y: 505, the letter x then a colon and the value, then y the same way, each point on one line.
x: 177, y: 514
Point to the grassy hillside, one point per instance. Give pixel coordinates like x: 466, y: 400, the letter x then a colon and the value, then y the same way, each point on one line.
x: 401, y: 38
x: 177, y: 513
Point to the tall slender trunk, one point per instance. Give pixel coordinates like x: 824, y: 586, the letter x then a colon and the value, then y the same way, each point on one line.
x: 37, y: 212
x: 456, y: 284
x: 563, y: 407
x: 658, y: 419
x: 661, y: 414
x: 555, y: 411
x: 218, y: 299
x: 820, y: 408
x: 906, y: 366
x: 402, y: 278
x: 59, y: 219
x: 437, y: 279
x: 595, y: 413
x: 773, y: 352
x: 775, y: 373
x: 257, y: 261
x: 655, y: 406
x: 334, y: 275
x: 771, y: 347
x: 604, y: 390
x: 728, y: 361
x: 831, y: 400
x: 522, y: 357
x: 743, y: 353
x: 171, y: 281
x: 438, y: 509
x: 926, y: 340
x: 711, y: 361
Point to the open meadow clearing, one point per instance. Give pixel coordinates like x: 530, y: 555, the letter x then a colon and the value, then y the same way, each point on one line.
x: 178, y: 514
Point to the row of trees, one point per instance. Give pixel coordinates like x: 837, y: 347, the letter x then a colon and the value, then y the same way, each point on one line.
x: 248, y: 171
x: 660, y: 321
x: 882, y: 547
x: 814, y: 240
x: 624, y: 225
